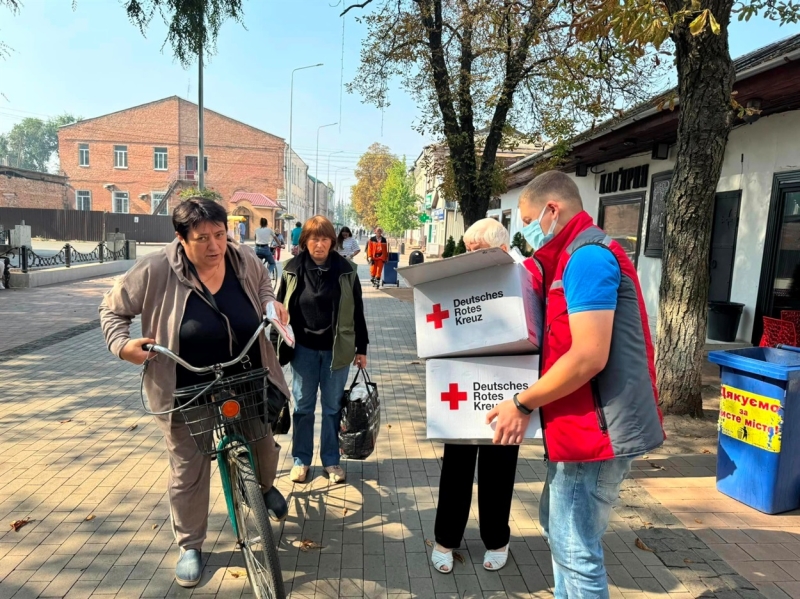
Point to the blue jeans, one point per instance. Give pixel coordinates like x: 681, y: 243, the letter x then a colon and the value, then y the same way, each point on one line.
x: 311, y: 371
x: 265, y: 254
x: 574, y: 512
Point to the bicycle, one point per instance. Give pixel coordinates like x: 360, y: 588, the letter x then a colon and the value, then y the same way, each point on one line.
x: 224, y: 417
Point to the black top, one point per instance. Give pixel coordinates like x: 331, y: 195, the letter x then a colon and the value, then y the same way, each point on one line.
x: 315, y: 302
x: 204, y: 339
x: 314, y: 305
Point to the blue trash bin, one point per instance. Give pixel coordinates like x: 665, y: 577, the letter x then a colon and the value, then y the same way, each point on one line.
x: 390, y: 270
x: 758, y: 456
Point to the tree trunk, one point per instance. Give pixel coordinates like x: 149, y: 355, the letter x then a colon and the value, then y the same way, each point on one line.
x: 705, y: 83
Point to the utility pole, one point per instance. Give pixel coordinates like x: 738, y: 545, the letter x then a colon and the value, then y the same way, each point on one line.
x: 201, y: 176
x: 289, y: 168
x: 316, y: 166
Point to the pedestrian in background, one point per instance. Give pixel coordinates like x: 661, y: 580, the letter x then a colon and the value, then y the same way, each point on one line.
x: 278, y: 246
x: 497, y: 467
x: 322, y: 293
x: 168, y: 290
x: 242, y: 231
x: 346, y: 245
x: 597, y: 392
x: 377, y: 254
x: 296, y: 232
x: 265, y: 239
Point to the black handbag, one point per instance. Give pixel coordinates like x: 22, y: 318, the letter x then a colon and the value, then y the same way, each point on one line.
x: 361, y: 418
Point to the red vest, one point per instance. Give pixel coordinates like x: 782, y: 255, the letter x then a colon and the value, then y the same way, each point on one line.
x: 616, y: 413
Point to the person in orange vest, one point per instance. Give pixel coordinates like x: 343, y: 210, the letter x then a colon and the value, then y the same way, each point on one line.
x: 377, y: 254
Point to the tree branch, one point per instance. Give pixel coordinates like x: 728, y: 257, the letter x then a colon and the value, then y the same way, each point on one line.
x: 352, y: 6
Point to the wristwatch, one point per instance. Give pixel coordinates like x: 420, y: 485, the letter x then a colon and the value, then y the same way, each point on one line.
x: 520, y: 407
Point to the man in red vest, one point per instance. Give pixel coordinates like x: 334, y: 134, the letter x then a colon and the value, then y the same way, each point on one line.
x: 597, y: 392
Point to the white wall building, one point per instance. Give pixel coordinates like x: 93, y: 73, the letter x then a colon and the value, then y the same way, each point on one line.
x: 755, y: 247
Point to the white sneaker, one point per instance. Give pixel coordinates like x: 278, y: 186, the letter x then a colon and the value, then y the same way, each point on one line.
x: 335, y: 474
x: 298, y: 474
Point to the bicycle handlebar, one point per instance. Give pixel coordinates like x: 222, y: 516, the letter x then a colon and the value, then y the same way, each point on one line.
x: 216, y: 369
x: 159, y: 349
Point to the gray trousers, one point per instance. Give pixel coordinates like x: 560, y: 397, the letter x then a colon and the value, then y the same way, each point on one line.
x: 190, y: 479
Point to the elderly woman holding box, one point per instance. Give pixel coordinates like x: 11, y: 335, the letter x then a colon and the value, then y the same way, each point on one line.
x: 497, y: 466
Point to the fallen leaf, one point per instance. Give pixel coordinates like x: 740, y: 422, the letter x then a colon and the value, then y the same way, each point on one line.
x: 388, y: 426
x: 429, y: 543
x: 458, y: 557
x: 706, y: 451
x: 644, y: 457
x: 698, y: 521
x: 307, y: 544
x: 67, y: 420
x: 134, y: 427
x: 656, y: 466
x: 640, y: 545
x: 345, y: 512
x: 155, y: 526
x: 238, y: 573
x: 90, y: 517
x: 688, y: 561
x: 17, y: 524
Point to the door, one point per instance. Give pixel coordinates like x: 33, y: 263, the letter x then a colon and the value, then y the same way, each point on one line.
x: 725, y: 226
x: 779, y: 289
x: 191, y: 167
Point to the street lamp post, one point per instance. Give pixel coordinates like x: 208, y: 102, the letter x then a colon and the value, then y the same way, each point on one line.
x: 316, y: 166
x: 289, y: 165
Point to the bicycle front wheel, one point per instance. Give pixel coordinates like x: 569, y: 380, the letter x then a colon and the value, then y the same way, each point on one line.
x: 255, y: 532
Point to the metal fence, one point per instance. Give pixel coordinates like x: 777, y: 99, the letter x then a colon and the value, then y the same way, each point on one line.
x: 85, y: 225
x: 26, y: 259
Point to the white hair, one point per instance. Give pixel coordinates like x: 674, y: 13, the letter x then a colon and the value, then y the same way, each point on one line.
x: 488, y: 231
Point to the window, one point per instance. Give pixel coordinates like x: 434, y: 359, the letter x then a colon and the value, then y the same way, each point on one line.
x: 83, y: 154
x: 160, y: 159
x: 621, y: 218
x: 121, y: 202
x: 120, y: 156
x: 83, y: 200
x: 155, y: 200
x: 205, y: 164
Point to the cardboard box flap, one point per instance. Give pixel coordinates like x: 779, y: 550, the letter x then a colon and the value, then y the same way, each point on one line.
x: 452, y: 267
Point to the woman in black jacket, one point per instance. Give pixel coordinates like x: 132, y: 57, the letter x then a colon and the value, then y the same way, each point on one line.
x: 322, y: 293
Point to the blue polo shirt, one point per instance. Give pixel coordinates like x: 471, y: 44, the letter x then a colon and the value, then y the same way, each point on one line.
x: 591, y: 280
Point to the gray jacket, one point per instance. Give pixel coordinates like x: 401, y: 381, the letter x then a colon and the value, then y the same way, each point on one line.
x: 157, y: 288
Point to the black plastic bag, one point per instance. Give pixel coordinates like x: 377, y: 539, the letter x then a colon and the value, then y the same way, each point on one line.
x: 361, y: 418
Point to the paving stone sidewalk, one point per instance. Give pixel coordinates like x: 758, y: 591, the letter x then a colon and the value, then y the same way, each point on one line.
x: 81, y: 460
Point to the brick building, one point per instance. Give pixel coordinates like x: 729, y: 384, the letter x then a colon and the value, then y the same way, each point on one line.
x: 21, y: 188
x: 127, y: 161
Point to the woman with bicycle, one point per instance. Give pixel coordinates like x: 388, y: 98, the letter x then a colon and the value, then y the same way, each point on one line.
x: 322, y: 293
x: 202, y: 296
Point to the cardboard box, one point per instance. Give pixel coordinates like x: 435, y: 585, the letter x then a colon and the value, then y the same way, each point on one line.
x: 476, y: 304
x: 460, y: 392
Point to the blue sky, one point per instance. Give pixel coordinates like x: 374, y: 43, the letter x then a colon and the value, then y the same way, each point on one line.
x: 92, y: 61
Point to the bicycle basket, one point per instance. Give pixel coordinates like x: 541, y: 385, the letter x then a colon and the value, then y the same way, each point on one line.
x: 234, y: 406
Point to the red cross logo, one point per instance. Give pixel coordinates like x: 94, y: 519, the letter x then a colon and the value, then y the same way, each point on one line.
x: 438, y: 315
x: 454, y: 396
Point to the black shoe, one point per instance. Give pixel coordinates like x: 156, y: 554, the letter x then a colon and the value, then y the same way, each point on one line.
x: 276, y: 505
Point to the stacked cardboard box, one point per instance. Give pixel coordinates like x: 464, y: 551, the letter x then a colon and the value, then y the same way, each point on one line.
x: 479, y: 324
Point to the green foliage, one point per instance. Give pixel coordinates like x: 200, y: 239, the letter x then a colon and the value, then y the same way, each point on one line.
x: 520, y: 243
x: 396, y: 208
x: 449, y: 248
x: 32, y: 142
x: 461, y: 248
x: 192, y: 192
x: 191, y: 24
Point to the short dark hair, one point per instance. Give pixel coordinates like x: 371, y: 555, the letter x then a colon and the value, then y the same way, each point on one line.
x: 264, y: 222
x: 552, y: 183
x: 318, y: 226
x: 191, y: 212
x: 297, y: 224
